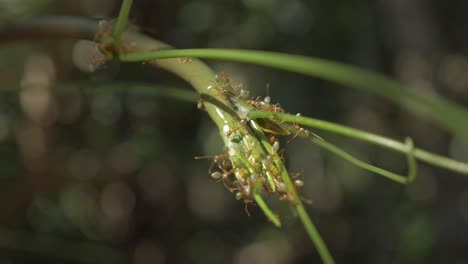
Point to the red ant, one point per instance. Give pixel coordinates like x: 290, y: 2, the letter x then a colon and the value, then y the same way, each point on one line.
x: 302, y: 130
x: 223, y: 158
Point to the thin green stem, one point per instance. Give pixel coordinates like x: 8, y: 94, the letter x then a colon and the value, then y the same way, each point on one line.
x: 422, y: 155
x: 359, y: 163
x: 314, y: 235
x: 441, y: 111
x: 122, y: 19
x: 261, y: 203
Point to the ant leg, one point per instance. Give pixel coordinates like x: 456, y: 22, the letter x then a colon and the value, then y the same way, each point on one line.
x: 246, y: 207
x: 261, y: 203
x: 227, y: 186
x: 315, y: 135
x: 294, y: 137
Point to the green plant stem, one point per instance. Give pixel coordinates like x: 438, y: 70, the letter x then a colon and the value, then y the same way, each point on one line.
x: 359, y: 163
x: 422, y: 155
x: 314, y: 234
x: 122, y: 19
x: 261, y: 203
x: 441, y: 111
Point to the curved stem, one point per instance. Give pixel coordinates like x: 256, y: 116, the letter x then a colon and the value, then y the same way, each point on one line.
x: 422, y: 155
x: 261, y: 203
x: 441, y: 111
x: 314, y: 235
x: 359, y: 163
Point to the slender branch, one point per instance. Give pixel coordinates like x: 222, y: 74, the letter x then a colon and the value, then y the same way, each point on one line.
x: 122, y: 19
x: 420, y: 154
x: 359, y: 163
x: 441, y: 111
x: 314, y: 234
x: 261, y: 203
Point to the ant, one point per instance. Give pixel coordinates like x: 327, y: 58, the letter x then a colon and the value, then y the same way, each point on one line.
x: 233, y: 132
x: 185, y: 60
x: 223, y: 158
x: 302, y: 130
x: 298, y: 183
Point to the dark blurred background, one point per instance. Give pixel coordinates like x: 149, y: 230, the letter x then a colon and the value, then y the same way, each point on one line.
x: 110, y: 176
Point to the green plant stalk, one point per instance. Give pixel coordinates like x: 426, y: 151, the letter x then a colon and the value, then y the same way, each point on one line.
x: 314, y: 234
x: 261, y: 203
x: 439, y: 110
x: 419, y: 154
x: 122, y: 19
x: 412, y: 168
